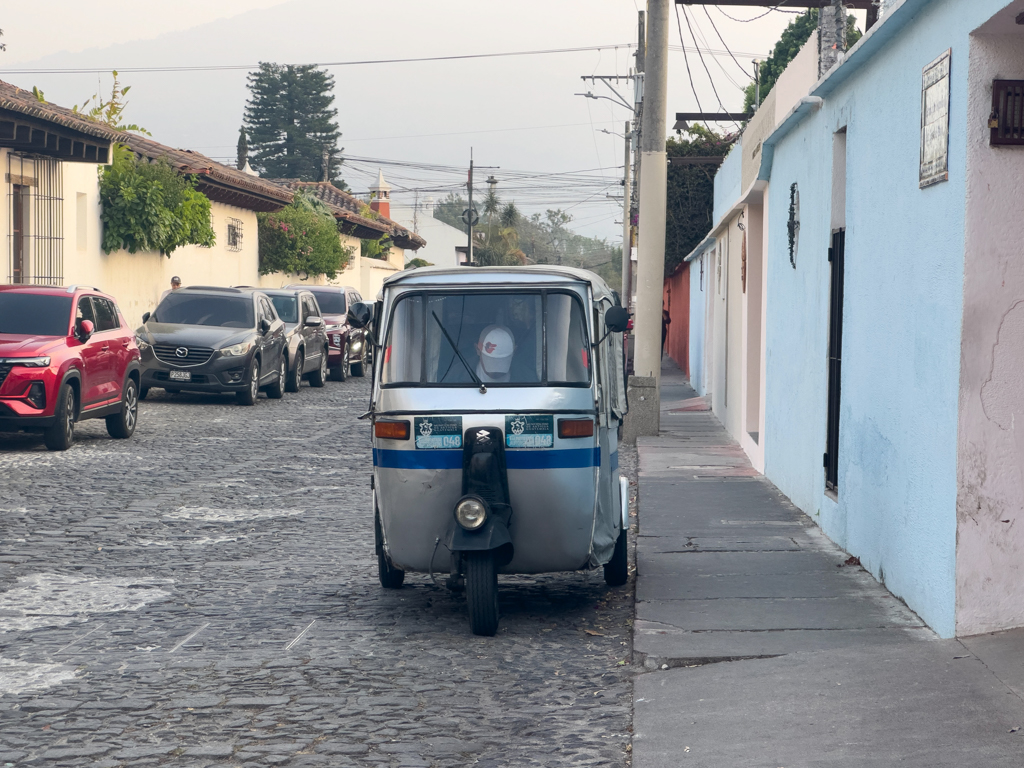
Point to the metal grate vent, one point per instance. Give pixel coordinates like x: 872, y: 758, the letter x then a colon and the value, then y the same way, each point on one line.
x: 1007, y: 118
x: 35, y: 207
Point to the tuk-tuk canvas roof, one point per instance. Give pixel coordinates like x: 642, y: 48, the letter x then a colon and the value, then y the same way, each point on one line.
x: 534, y: 273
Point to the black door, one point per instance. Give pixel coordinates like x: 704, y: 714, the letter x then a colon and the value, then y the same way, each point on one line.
x: 836, y: 255
x: 19, y: 200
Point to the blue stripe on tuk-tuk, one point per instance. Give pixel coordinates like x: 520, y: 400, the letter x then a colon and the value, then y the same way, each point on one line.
x: 572, y: 458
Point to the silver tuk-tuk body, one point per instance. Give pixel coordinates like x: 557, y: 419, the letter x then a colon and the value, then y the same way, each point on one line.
x: 497, y: 397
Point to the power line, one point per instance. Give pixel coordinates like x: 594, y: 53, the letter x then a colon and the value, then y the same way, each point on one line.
x: 689, y: 74
x: 701, y: 57
x: 359, y: 62
x: 713, y: 26
x: 773, y: 9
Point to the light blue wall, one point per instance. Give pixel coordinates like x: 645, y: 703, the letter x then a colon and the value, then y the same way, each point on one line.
x: 728, y: 181
x: 902, y: 315
x: 698, y: 311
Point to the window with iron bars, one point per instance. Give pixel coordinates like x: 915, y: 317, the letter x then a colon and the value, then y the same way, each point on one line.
x: 35, y: 221
x: 234, y: 241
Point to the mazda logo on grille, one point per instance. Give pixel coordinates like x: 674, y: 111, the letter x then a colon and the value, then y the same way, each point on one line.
x: 181, y: 352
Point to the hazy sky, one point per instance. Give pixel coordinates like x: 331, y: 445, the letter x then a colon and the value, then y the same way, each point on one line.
x: 518, y: 113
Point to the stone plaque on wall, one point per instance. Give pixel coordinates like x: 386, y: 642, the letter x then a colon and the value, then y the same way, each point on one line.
x: 935, y: 121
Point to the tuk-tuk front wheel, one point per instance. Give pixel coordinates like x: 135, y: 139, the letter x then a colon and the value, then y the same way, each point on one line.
x: 390, y: 577
x: 482, y: 593
x: 616, y: 570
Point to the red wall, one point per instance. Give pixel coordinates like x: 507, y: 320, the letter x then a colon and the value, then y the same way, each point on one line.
x: 677, y: 301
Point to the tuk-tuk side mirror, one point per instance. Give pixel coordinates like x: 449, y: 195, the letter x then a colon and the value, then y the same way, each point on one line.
x: 616, y: 319
x: 360, y: 314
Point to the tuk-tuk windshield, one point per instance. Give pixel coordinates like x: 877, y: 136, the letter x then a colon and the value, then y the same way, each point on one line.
x: 502, y: 338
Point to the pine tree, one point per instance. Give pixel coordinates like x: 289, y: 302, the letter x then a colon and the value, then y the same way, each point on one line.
x: 243, y: 149
x: 291, y: 123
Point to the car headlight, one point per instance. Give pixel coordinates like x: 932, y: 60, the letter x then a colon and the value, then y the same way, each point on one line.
x: 141, y: 342
x: 471, y: 513
x: 236, y: 350
x: 28, y: 362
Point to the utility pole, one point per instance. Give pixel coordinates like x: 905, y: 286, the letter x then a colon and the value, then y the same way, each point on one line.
x: 651, y: 234
x: 627, y: 240
x: 469, y: 225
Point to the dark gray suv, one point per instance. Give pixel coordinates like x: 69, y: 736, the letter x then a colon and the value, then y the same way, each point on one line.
x: 305, y: 337
x: 210, y: 339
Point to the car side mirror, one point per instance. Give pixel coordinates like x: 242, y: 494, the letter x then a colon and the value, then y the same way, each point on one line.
x: 360, y: 314
x: 85, y: 330
x: 616, y: 319
x: 314, y: 322
x: 145, y: 317
x: 264, y: 326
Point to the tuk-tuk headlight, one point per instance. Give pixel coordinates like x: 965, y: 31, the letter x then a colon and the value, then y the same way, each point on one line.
x: 471, y: 513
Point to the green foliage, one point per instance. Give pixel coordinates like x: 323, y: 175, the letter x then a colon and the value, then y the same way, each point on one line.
x: 690, y: 199
x: 376, y: 249
x: 110, y: 111
x: 151, y: 207
x: 790, y: 42
x: 509, y: 216
x: 3, y: 46
x: 38, y: 94
x: 291, y: 124
x: 417, y: 263
x: 301, y: 238
x: 243, y: 149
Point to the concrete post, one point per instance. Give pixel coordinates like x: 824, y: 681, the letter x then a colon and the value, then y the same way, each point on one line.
x: 651, y: 232
x: 627, y: 169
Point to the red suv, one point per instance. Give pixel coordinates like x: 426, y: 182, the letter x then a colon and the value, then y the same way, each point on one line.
x: 66, y: 354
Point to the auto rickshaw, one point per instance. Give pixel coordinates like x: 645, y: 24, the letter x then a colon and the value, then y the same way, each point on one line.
x: 497, y: 395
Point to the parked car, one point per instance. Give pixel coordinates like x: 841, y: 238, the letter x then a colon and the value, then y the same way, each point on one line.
x: 211, y: 339
x: 305, y: 337
x: 349, y: 352
x: 66, y: 355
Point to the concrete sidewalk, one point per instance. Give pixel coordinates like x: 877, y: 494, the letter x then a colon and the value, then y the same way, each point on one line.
x: 763, y: 646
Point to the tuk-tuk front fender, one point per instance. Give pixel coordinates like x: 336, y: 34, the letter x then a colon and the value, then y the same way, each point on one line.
x: 492, y: 535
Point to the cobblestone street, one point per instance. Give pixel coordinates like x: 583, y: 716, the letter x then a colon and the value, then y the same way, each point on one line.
x: 206, y: 594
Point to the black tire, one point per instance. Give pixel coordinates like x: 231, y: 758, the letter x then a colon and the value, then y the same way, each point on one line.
x: 143, y: 393
x: 340, y: 371
x: 275, y: 391
x: 295, y: 379
x: 616, y: 570
x: 482, y: 593
x: 61, y: 435
x: 251, y: 392
x: 359, y: 369
x: 122, y: 425
x: 390, y: 577
x: 319, y: 377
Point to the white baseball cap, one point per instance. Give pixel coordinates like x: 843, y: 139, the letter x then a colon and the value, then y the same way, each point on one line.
x: 496, y: 348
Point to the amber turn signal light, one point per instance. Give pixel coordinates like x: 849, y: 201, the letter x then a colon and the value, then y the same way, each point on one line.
x: 575, y: 428
x: 391, y: 430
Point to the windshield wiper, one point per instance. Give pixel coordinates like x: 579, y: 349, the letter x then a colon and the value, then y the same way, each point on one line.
x: 483, y: 387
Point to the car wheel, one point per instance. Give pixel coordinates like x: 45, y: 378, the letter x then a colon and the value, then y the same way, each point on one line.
x: 616, y: 570
x: 143, y: 393
x: 122, y: 425
x: 248, y: 395
x: 390, y: 577
x: 295, y: 380
x: 359, y: 369
x: 340, y: 372
x: 482, y: 593
x: 276, y: 390
x: 60, y: 436
x: 319, y: 377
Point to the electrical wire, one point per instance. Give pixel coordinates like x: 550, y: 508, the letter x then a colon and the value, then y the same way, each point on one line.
x: 773, y: 9
x: 686, y: 58
x: 699, y: 33
x: 701, y: 57
x: 715, y: 27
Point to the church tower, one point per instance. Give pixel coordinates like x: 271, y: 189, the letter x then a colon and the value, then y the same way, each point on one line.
x: 380, y: 196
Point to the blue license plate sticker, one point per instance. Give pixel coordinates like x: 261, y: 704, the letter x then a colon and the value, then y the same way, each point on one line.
x: 529, y: 431
x: 433, y: 432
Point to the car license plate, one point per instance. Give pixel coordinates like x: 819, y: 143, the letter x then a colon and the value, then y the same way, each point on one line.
x: 438, y: 432
x: 529, y: 431
x: 181, y: 376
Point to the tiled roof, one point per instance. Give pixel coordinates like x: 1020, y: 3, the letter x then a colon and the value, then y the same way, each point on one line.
x: 350, y: 209
x: 24, y: 102
x: 217, y: 181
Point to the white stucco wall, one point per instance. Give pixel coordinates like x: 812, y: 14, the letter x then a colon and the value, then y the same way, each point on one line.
x: 441, y: 238
x: 990, y: 455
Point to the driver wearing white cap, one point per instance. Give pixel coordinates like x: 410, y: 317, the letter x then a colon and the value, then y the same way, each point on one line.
x: 495, y: 349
